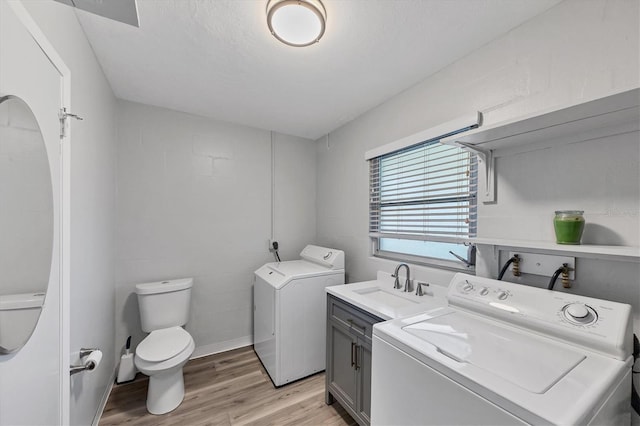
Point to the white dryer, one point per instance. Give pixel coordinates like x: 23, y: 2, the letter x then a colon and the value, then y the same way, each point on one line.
x: 289, y: 313
x: 505, y: 354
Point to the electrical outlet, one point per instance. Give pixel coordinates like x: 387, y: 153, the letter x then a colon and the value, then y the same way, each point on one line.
x: 544, y: 264
x: 271, y: 241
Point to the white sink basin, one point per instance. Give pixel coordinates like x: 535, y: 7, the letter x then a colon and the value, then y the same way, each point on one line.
x: 385, y: 297
x: 382, y: 300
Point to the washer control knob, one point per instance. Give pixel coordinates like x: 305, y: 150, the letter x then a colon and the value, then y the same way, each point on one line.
x: 467, y: 287
x: 484, y: 291
x: 580, y: 314
x: 502, y: 294
x: 577, y: 310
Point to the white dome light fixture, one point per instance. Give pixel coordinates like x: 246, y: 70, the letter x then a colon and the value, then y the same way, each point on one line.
x: 297, y: 23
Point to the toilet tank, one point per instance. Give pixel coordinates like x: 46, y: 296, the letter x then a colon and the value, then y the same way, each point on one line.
x: 164, y: 304
x: 18, y: 316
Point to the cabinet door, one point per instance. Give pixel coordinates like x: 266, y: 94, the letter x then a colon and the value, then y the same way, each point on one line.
x: 364, y: 379
x: 341, y: 374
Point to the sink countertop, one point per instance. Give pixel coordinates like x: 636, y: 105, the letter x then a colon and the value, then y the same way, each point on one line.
x: 406, y: 303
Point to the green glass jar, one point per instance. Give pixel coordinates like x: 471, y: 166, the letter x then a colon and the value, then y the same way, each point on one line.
x: 568, y: 225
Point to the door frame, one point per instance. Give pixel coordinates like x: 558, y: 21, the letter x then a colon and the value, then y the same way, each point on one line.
x: 65, y: 205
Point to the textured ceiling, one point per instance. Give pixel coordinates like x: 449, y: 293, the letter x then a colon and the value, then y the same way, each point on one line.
x: 216, y: 58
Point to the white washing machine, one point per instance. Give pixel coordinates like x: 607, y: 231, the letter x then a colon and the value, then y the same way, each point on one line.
x: 289, y: 313
x: 504, y: 354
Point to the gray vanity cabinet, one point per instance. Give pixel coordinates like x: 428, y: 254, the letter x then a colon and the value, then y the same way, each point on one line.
x: 348, y: 375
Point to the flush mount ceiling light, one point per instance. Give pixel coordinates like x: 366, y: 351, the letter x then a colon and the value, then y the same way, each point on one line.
x: 296, y: 22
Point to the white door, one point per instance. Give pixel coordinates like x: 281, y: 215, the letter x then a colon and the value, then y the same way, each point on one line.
x: 34, y: 381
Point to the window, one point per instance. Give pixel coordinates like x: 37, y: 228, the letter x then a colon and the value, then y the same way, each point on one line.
x: 423, y: 203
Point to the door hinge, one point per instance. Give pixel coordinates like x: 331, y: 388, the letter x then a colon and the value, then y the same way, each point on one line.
x: 64, y: 115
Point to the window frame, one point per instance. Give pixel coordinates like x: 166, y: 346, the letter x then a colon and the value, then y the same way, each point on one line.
x: 453, y: 264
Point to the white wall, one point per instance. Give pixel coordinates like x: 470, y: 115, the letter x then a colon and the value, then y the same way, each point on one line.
x: 294, y: 195
x: 194, y: 200
x: 92, y: 204
x: 574, y: 51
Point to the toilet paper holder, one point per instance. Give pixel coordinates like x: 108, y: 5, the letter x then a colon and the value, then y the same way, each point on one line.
x: 88, y: 365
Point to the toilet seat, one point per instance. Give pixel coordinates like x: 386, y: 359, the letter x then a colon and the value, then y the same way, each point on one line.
x: 163, y: 344
x: 151, y: 368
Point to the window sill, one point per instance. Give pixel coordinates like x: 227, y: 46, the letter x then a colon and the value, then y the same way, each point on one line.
x: 449, y: 265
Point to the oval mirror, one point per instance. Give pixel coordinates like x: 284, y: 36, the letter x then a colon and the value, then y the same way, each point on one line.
x: 26, y: 223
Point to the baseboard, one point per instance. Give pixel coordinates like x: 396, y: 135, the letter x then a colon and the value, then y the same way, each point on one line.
x: 216, y: 348
x: 105, y: 398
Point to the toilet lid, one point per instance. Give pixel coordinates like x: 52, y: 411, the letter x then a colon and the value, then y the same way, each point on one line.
x: 163, y: 344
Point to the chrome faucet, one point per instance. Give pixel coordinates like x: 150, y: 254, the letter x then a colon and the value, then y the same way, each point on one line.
x: 407, y: 283
x: 419, y: 291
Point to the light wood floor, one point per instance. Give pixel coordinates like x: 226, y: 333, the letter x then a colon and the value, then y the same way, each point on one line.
x: 231, y: 388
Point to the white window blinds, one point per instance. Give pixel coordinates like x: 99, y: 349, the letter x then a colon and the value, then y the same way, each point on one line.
x: 426, y: 192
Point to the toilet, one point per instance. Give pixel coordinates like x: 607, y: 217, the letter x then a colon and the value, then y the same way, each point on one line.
x: 19, y: 314
x: 164, y: 309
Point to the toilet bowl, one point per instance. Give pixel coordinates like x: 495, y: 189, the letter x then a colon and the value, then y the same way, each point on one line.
x: 161, y: 356
x: 164, y: 309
